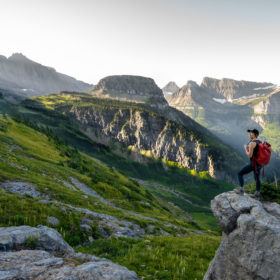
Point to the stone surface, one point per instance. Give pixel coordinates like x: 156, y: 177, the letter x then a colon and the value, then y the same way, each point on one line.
x: 37, y: 264
x: 87, y: 190
x: 40, y: 237
x: 250, y: 246
x: 53, y: 221
x: 109, y: 225
x: 52, y: 259
x: 21, y: 188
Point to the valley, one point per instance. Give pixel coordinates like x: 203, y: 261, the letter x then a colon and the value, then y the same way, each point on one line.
x: 125, y: 170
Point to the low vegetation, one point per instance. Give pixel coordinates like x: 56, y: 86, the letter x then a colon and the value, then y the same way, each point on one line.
x: 160, y: 258
x: 45, y: 150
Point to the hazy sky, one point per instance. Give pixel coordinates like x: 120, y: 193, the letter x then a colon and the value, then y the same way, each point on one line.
x: 166, y: 40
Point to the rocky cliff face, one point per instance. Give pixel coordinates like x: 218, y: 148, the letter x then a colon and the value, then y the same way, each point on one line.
x: 232, y: 89
x: 266, y: 108
x: 228, y: 107
x: 148, y: 132
x: 190, y: 99
x: 227, y: 120
x: 145, y: 133
x: 41, y: 253
x: 251, y: 236
x: 130, y: 88
x: 26, y: 77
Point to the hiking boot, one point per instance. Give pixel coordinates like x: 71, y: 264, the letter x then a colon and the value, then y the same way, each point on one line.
x: 256, y: 195
x: 239, y: 191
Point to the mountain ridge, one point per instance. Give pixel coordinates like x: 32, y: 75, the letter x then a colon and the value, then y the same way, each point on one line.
x: 229, y: 107
x: 130, y: 88
x: 26, y: 77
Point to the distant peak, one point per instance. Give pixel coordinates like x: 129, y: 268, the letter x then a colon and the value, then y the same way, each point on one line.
x: 2, y: 57
x: 207, y: 80
x: 170, y: 88
x: 18, y: 57
x: 171, y: 83
x: 191, y: 83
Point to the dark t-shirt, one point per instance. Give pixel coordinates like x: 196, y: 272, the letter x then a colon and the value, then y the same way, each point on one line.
x: 256, y: 149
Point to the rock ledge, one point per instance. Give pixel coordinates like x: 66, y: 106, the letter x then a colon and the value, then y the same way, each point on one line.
x: 250, y: 247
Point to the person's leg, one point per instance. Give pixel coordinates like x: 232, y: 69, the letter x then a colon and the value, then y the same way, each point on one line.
x: 245, y: 170
x: 257, y: 173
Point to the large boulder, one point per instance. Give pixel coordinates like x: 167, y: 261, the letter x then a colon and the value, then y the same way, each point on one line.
x: 250, y: 247
x: 41, y: 237
x: 51, y: 258
x: 41, y: 265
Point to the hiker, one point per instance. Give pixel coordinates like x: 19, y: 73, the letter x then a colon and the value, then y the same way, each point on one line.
x: 251, y: 150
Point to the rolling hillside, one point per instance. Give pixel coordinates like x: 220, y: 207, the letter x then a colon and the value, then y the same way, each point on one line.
x: 87, y: 193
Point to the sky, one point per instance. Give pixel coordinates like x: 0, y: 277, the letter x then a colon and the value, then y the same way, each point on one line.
x: 171, y: 40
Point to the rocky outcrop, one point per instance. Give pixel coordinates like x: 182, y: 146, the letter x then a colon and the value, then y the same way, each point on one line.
x: 26, y: 77
x: 21, y: 188
x: 107, y: 225
x: 130, y: 88
x: 42, y: 237
x: 251, y: 236
x: 50, y: 258
x: 146, y: 134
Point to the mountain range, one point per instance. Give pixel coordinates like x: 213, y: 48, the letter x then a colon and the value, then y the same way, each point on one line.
x: 122, y: 170
x: 228, y: 108
x: 24, y: 77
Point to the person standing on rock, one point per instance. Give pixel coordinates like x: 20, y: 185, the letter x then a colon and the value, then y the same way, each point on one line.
x: 251, y: 150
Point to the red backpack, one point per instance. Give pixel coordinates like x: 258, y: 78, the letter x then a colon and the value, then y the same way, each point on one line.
x: 264, y: 153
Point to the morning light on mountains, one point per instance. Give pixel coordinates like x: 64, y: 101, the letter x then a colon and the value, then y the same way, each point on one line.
x: 140, y: 140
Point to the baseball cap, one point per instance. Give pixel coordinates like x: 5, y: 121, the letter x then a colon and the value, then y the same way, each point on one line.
x: 255, y: 131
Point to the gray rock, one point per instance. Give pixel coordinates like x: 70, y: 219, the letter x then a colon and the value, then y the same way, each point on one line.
x: 41, y: 265
x: 250, y: 246
x: 117, y: 227
x: 40, y: 237
x: 21, y: 188
x: 87, y: 190
x: 53, y: 259
x: 53, y: 221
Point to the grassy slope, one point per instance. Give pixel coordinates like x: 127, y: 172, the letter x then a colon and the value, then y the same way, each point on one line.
x: 220, y: 152
x: 28, y: 155
x: 173, y: 194
x: 163, y: 258
x: 159, y: 179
